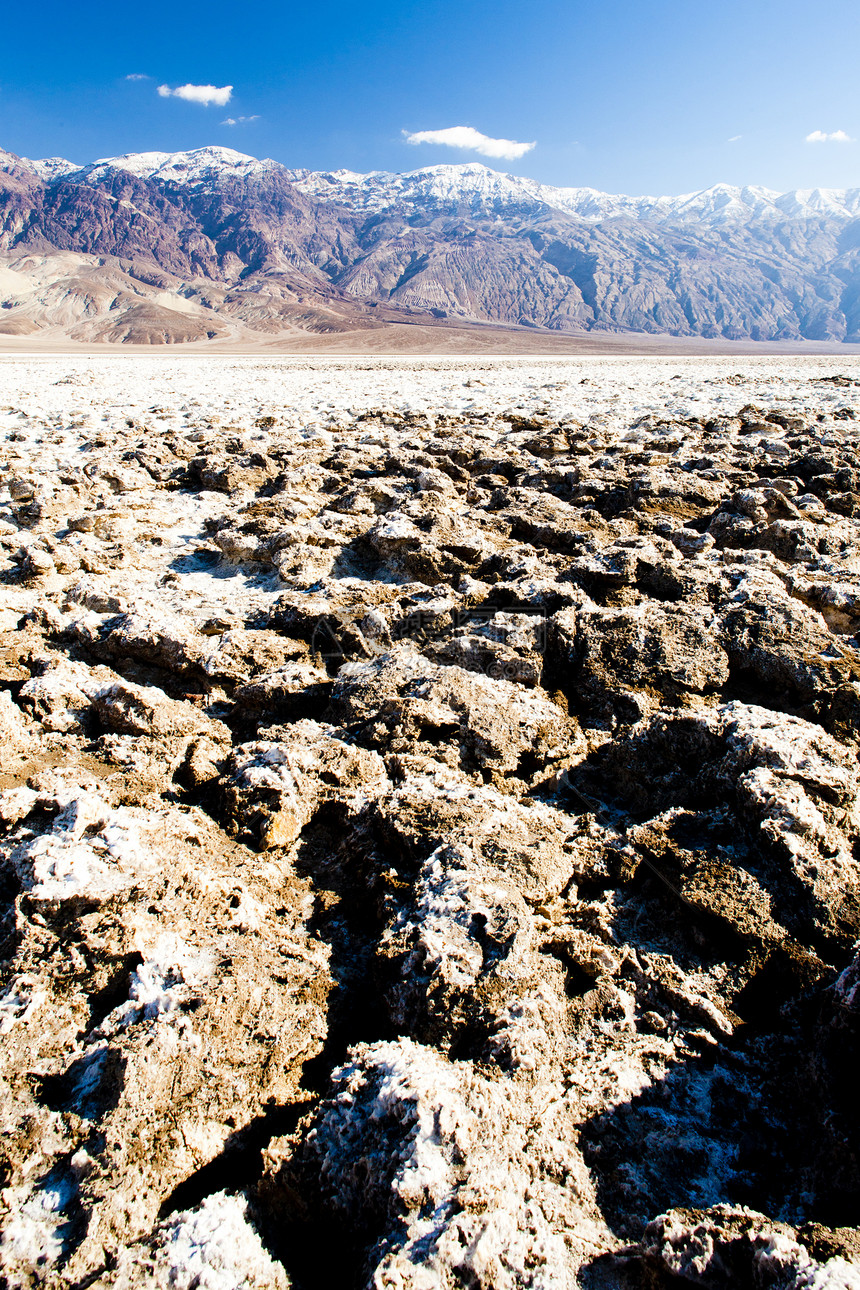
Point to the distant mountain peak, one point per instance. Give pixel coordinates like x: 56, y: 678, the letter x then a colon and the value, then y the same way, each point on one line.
x: 454, y: 185
x: 150, y: 163
x: 480, y: 185
x: 197, y: 166
x: 50, y: 168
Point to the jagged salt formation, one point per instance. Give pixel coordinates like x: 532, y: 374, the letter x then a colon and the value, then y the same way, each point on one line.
x: 430, y: 825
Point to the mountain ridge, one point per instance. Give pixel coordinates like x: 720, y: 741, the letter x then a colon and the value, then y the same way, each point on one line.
x: 380, y: 189
x: 250, y: 241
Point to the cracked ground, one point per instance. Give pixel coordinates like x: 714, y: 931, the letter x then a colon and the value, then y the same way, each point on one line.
x: 429, y: 809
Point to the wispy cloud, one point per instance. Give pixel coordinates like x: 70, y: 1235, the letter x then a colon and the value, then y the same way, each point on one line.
x: 463, y: 136
x: 734, y: 138
x: 836, y: 136
x: 241, y: 120
x: 137, y: 76
x: 204, y: 94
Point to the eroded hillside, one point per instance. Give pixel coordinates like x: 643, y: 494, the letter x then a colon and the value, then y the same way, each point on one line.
x: 229, y: 242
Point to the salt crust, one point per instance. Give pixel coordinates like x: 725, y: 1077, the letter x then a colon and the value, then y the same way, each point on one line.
x: 161, y: 984
x: 92, y: 850
x: 402, y: 1101
x: 693, y: 1253
x: 212, y: 1247
x: 438, y: 1112
x: 33, y: 1231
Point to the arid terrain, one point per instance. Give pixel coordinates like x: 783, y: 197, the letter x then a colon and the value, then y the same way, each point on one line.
x: 215, y: 246
x: 429, y: 810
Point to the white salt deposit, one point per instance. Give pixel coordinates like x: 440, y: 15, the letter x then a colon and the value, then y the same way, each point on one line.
x: 34, y: 1225
x: 93, y: 850
x: 163, y: 983
x: 466, y: 1222
x: 18, y: 1003
x: 214, y: 1247
x: 453, y: 902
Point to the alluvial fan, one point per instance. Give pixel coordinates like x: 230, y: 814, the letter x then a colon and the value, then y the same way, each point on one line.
x: 429, y: 810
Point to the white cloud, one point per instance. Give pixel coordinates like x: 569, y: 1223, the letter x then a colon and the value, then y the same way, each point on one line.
x: 463, y: 136
x: 837, y: 136
x: 204, y: 94
x: 735, y: 138
x: 137, y: 76
x: 241, y: 120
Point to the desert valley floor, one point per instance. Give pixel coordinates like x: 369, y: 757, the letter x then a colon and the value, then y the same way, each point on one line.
x: 429, y: 810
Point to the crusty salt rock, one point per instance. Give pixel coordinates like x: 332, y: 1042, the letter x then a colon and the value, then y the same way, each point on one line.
x: 164, y: 982
x: 434, y: 481
x: 789, y: 649
x: 690, y: 542
x: 239, y: 654
x: 21, y: 489
x: 37, y: 561
x: 793, y: 788
x: 429, y: 1155
x: 493, y: 658
x: 655, y: 647
x: 467, y: 961
x: 239, y: 547
x: 726, y: 1248
x: 429, y: 804
x: 800, y: 786
x: 288, y: 691
x: 399, y: 696
x: 65, y: 694
x: 91, y: 852
x: 273, y: 789
x: 394, y: 533
x: 211, y: 1247
x: 13, y: 728
x: 846, y: 987
x: 183, y: 979
x: 547, y: 924
x: 505, y: 646
x: 304, y: 565
x: 126, y: 708
x: 121, y: 477
x: 16, y: 804
x: 204, y: 759
x: 66, y: 558
x: 19, y: 1001
x: 159, y: 638
x: 86, y: 593
x: 34, y: 1231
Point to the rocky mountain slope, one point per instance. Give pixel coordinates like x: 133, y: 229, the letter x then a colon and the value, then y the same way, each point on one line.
x: 243, y: 251
x: 429, y: 834
x: 250, y: 242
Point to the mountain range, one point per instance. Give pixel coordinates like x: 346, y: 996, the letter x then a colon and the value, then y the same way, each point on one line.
x: 171, y: 247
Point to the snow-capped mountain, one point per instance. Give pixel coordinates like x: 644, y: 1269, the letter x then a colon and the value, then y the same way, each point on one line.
x: 479, y: 188
x: 200, y: 168
x: 471, y: 185
x: 451, y: 242
x: 51, y: 168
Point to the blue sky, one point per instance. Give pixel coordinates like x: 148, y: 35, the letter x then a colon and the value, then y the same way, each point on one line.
x: 623, y: 95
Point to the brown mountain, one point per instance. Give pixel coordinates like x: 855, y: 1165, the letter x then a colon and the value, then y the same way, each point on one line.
x: 208, y: 244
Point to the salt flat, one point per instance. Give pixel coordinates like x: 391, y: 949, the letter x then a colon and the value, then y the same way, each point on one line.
x: 430, y: 821
x: 192, y: 388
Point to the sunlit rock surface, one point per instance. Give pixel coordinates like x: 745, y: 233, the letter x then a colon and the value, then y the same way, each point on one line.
x: 429, y: 822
